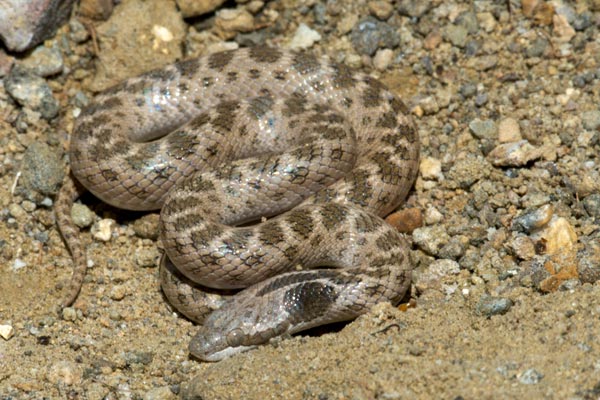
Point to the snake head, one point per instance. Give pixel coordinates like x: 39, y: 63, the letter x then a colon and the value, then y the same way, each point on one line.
x: 235, y: 328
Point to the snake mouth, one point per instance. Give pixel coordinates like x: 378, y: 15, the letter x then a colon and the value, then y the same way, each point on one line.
x: 201, y: 351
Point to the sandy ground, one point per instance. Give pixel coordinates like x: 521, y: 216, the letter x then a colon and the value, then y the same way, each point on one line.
x: 505, y: 300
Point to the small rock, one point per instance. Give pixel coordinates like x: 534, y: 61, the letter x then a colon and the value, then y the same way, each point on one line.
x: 457, y: 35
x: 69, y: 314
x: 537, y: 48
x: 82, y: 216
x: 18, y: 264
x: 489, y: 306
x: 118, y: 292
x: 304, y: 37
x: 530, y: 377
x: 431, y: 168
x: 591, y: 120
x: 7, y: 331
x: 24, y: 26
x: 78, y: 32
x: 138, y: 357
x: 592, y: 205
x: 17, y: 212
x: 381, y: 9
x: 433, y: 216
x: 370, y: 34
x: 514, y: 154
x: 193, y: 8
x: 432, y: 40
x: 563, y: 31
x: 147, y: 257
x: 483, y: 129
x: 531, y: 220
x: 44, y: 61
x: 465, y: 172
x: 406, y: 220
x: 509, y: 131
x: 413, y: 8
x: 487, y: 21
x: 64, y: 373
x: 429, y: 104
x: 433, y: 275
x: 41, y: 169
x: 96, y: 9
x: 234, y: 20
x: 523, y: 247
x: 147, y: 226
x: 383, y: 59
x: 160, y: 393
x: 431, y: 239
x: 558, y: 236
x: 102, y: 230
x: 31, y: 91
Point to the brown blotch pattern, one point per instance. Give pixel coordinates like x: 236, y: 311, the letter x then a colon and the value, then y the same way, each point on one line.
x: 263, y: 54
x: 218, y: 61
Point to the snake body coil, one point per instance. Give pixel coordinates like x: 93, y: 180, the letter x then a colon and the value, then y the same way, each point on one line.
x: 225, y: 140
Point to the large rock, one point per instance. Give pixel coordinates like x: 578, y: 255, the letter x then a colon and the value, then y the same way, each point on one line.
x: 26, y: 23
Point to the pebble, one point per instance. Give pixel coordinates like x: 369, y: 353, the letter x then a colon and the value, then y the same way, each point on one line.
x: 304, y: 37
x: 64, y: 373
x: 146, y: 227
x: 147, y: 257
x: 431, y: 168
x: 591, y: 120
x: 487, y: 21
x: 523, y: 247
x: 138, y: 357
x: 44, y: 61
x: 592, y: 205
x: 431, y: 239
x: 433, y: 275
x: 562, y: 30
x: 69, y: 314
x: 483, y: 129
x: 160, y: 393
x: 78, y: 32
x: 406, y: 220
x: 433, y: 216
x: 559, y: 236
x: 193, y: 8
x: 234, y: 20
x: 514, y: 154
x: 532, y: 220
x: 17, y: 212
x: 509, y: 131
x: 118, y: 292
x: 383, y: 59
x: 7, y: 331
x: 537, y: 48
x: 370, y: 34
x: 82, y: 215
x: 467, y: 171
x: 25, y: 24
x: 413, y: 8
x: 41, y: 169
x: 29, y: 90
x: 381, y: 9
x: 456, y: 34
x: 18, y: 264
x: 489, y: 305
x: 96, y: 9
x: 102, y: 230
x: 530, y: 377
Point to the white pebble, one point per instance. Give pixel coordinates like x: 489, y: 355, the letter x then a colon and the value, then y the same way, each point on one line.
x: 304, y: 38
x: 102, y: 230
x: 6, y: 331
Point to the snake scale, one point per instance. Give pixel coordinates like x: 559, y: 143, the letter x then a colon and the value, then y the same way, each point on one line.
x: 272, y: 170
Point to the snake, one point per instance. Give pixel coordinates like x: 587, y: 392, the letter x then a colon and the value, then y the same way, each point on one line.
x: 272, y: 170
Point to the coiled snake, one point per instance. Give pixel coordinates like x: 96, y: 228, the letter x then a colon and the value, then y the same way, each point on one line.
x: 236, y: 137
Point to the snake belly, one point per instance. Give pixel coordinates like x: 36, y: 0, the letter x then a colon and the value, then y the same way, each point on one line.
x: 272, y: 170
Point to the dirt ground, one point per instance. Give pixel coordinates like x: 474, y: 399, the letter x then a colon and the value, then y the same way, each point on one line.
x: 505, y: 300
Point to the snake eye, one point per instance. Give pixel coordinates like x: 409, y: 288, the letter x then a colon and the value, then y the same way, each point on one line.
x: 235, y: 338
